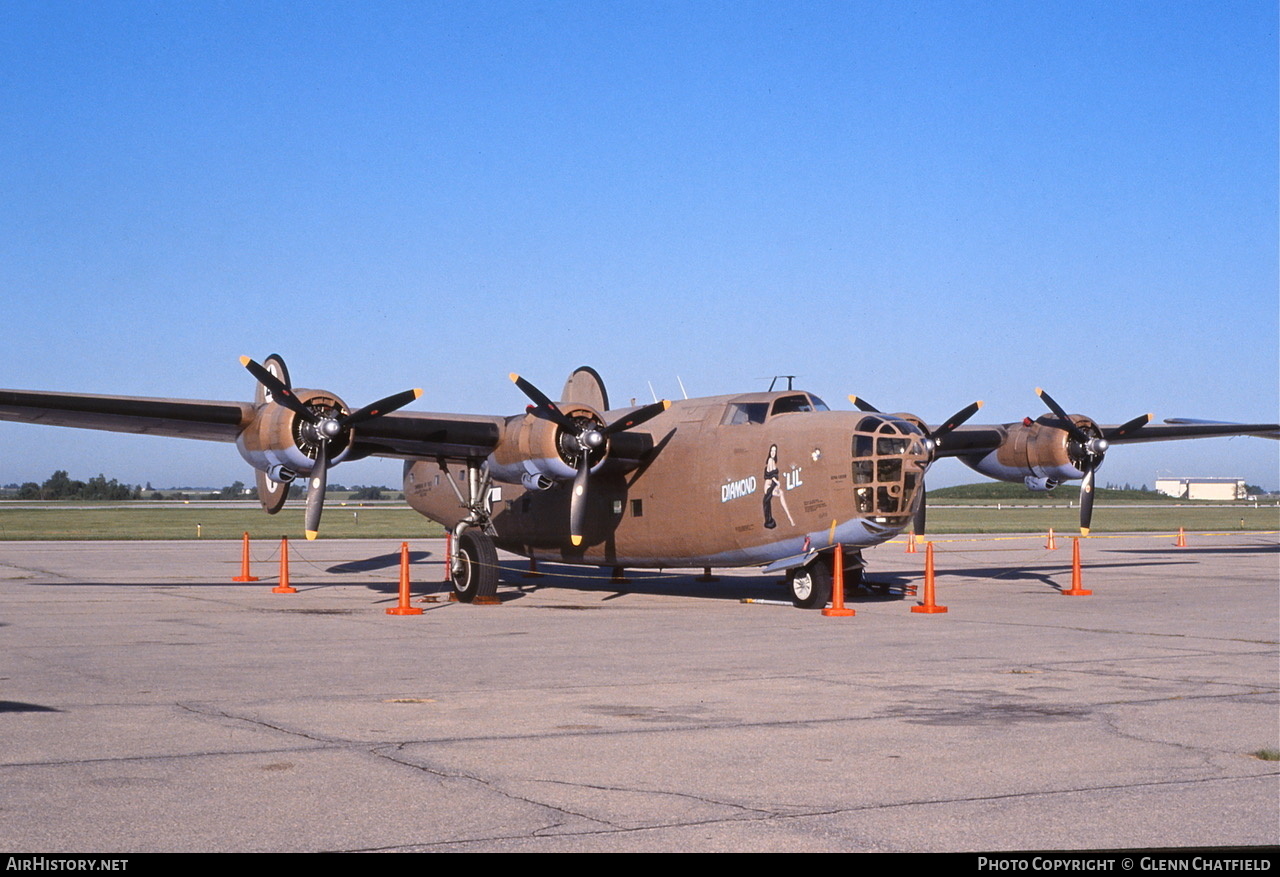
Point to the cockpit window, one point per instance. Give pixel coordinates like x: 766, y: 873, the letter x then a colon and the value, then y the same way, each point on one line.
x: 745, y: 412
x: 757, y: 412
x: 792, y: 404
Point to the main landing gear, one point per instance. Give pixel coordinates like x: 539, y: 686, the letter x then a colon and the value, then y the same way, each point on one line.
x: 475, y: 567
x: 473, y: 563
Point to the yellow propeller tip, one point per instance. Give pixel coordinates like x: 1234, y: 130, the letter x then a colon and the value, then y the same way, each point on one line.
x: 312, y: 534
x: 853, y: 400
x: 1039, y: 391
x: 576, y: 540
x: 1084, y: 531
x: 244, y: 360
x: 666, y: 403
x: 514, y: 377
x: 981, y: 403
x: 417, y: 392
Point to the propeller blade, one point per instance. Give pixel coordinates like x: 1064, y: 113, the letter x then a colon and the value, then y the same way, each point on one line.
x: 1131, y: 427
x: 578, y: 500
x: 1086, y: 501
x: 381, y: 407
x: 958, y: 418
x: 863, y: 405
x: 917, y: 523
x: 590, y: 439
x: 543, y: 406
x: 279, y: 391
x: 637, y: 417
x: 315, y: 490
x: 1076, y: 432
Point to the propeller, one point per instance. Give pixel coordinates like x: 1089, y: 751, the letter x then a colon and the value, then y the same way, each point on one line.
x: 327, y: 425
x: 585, y: 437
x: 1090, y: 450
x: 934, y: 436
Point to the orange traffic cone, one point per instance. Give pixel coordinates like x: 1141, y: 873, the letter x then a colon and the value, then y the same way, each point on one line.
x: 1076, y: 590
x: 244, y: 564
x: 1052, y: 544
x: 929, y: 605
x: 1182, y: 539
x: 837, y: 607
x: 284, y: 587
x: 403, y: 607
x: 911, y: 544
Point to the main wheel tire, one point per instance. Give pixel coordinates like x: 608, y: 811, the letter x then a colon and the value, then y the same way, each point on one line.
x: 810, y: 585
x: 476, y: 574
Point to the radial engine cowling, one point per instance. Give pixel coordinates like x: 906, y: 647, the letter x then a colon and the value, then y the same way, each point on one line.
x: 538, y: 453
x: 283, y: 445
x: 1039, y: 452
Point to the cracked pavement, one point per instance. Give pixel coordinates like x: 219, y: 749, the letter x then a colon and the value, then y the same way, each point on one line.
x: 149, y: 703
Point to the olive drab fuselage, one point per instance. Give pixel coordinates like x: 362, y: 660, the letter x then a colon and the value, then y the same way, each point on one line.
x: 729, y: 480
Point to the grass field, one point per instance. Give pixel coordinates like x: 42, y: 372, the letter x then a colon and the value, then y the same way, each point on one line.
x: 1118, y: 518
x: 214, y: 520
x: 143, y: 520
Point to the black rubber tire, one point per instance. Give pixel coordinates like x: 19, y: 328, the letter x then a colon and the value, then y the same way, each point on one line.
x: 810, y: 585
x: 477, y: 576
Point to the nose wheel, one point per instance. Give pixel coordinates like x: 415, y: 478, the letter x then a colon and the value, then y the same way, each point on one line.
x: 810, y: 585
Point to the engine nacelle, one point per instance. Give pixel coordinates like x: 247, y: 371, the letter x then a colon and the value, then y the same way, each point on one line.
x: 537, y: 453
x: 1039, y: 453
x: 284, y: 445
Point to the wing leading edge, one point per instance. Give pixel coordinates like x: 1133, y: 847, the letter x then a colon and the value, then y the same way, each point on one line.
x: 403, y: 434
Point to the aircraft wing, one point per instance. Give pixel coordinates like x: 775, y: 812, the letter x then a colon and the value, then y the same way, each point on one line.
x: 413, y: 434
x: 978, y: 438
x: 971, y: 440
x: 400, y: 434
x: 1187, y: 428
x: 180, y: 418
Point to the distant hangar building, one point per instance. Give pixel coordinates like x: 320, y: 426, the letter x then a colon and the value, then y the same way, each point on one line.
x: 1202, y: 488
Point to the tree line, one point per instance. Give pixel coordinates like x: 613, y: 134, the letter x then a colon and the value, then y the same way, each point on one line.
x: 61, y: 486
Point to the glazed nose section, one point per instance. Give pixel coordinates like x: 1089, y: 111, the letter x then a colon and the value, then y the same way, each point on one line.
x: 890, y: 455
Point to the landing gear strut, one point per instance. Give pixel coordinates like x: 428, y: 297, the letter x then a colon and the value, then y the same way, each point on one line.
x: 474, y: 559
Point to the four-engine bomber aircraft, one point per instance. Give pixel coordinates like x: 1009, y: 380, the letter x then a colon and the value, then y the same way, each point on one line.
x: 760, y: 479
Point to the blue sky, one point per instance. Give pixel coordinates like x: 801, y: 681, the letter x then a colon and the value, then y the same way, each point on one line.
x: 922, y: 203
